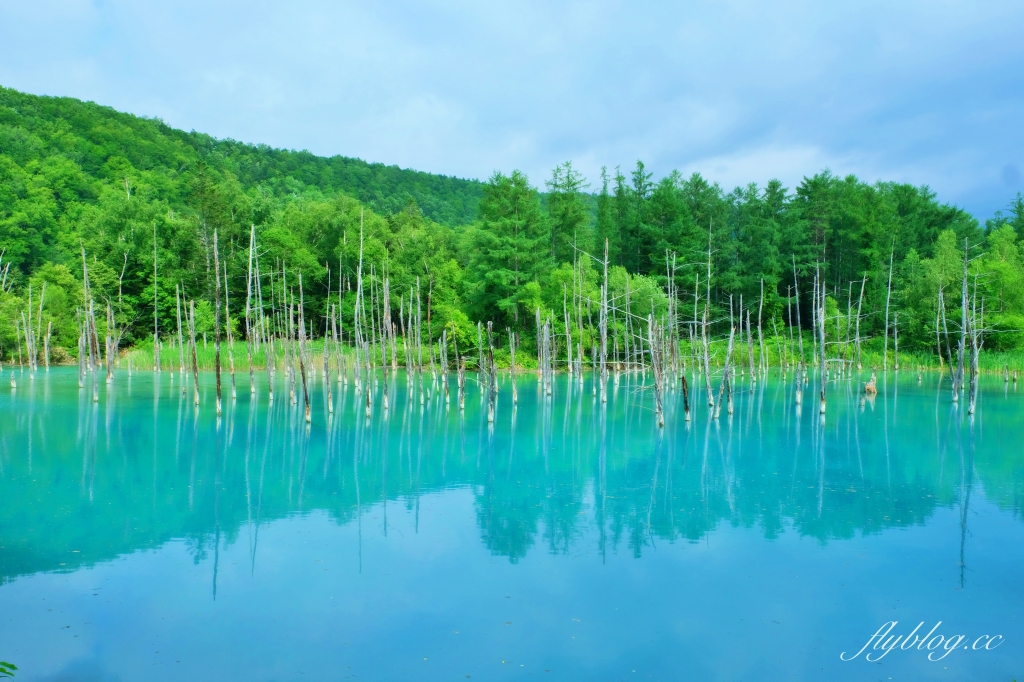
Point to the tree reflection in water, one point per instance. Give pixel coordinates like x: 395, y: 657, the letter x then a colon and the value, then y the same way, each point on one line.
x: 561, y: 473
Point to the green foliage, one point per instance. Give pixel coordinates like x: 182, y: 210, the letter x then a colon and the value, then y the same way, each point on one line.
x: 509, y: 248
x: 77, y: 177
x: 7, y: 669
x: 568, y: 214
x: 605, y: 232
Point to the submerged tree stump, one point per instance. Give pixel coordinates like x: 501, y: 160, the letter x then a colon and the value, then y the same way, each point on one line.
x: 871, y: 388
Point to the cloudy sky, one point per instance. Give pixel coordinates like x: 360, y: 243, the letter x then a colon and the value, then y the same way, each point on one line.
x: 929, y: 92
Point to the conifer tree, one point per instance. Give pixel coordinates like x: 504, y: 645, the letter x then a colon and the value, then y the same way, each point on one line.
x: 567, y: 212
x: 510, y: 248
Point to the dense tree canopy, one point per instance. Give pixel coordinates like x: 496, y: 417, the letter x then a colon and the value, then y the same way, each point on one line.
x: 77, y: 178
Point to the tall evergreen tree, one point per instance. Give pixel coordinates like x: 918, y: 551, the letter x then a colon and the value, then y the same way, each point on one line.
x: 1017, y: 207
x: 759, y: 223
x: 510, y: 248
x: 606, y: 230
x: 1016, y: 219
x: 668, y: 226
x: 212, y: 214
x: 567, y: 213
x: 621, y: 212
x: 710, y: 212
x: 633, y: 202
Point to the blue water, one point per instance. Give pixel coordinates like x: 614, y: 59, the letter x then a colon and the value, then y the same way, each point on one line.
x: 142, y: 539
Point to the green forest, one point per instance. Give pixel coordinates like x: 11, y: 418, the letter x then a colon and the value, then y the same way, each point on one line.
x: 140, y: 202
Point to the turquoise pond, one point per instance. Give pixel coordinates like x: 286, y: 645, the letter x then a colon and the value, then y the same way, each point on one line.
x: 143, y: 539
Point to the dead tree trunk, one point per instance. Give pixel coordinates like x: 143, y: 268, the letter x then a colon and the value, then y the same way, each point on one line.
x: 654, y: 345
x: 216, y: 316
x: 192, y: 347
x: 796, y: 293
x: 686, y: 398
x: 604, y: 328
x: 888, y: 296
x: 156, y: 305
x: 492, y: 385
x: 231, y: 339
x: 860, y: 302
x: 959, y: 380
x: 762, y: 358
x: 512, y: 353
x: 821, y: 338
x: 727, y: 369
x: 750, y: 350
x: 248, y: 311
x: 302, y: 350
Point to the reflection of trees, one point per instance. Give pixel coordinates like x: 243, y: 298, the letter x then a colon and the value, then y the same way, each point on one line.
x: 523, y: 485
x: 964, y: 490
x: 508, y: 520
x: 571, y: 471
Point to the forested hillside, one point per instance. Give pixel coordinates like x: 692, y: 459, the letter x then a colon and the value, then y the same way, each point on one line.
x: 131, y: 193
x: 107, y: 145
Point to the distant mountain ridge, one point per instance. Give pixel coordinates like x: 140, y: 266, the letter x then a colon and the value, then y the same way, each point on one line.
x: 33, y: 127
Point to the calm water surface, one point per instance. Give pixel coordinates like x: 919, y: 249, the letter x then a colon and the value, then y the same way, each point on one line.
x: 141, y: 539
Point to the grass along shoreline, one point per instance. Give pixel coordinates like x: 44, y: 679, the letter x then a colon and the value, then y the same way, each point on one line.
x: 141, y: 358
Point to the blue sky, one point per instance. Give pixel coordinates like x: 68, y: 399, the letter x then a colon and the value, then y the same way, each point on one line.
x: 741, y: 91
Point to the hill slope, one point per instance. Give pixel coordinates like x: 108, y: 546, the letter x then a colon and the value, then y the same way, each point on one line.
x: 33, y: 128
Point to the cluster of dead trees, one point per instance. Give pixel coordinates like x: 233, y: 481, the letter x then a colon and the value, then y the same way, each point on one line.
x: 664, y: 345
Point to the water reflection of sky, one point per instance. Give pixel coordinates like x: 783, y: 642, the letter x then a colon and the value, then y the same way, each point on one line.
x: 577, y: 540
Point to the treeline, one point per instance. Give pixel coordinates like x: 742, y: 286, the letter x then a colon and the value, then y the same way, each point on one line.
x: 142, y: 201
